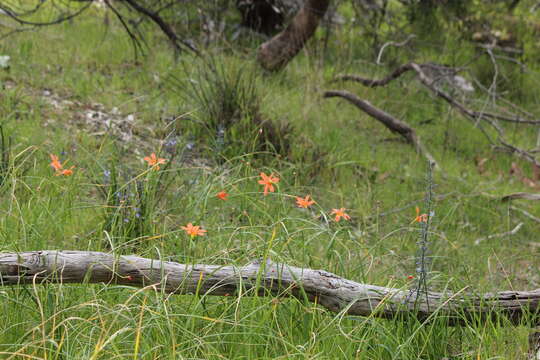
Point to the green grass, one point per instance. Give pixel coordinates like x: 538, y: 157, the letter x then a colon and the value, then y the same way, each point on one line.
x: 337, y: 154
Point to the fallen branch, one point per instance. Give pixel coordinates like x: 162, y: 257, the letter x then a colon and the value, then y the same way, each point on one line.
x: 470, y: 114
x: 392, y: 123
x: 521, y: 195
x: 500, y: 235
x: 428, y: 82
x: 326, y: 289
x: 526, y: 214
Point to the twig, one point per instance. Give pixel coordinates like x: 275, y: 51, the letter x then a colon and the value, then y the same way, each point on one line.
x: 494, y: 236
x: 15, y: 31
x: 521, y: 195
x: 393, y: 43
x: 506, y: 49
x: 520, y: 152
x: 167, y: 30
x: 400, y: 70
x: 527, y: 214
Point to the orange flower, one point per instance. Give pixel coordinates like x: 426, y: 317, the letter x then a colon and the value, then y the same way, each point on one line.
x: 193, y: 230
x: 222, y: 195
x: 65, y: 172
x: 420, y: 218
x: 304, y: 202
x: 268, y: 181
x: 153, y: 160
x: 340, y: 213
x: 55, y: 163
x: 58, y: 168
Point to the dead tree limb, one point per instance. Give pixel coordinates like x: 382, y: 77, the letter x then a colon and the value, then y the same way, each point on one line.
x: 282, y: 48
x: 400, y: 70
x: 428, y: 82
x: 526, y: 214
x: 521, y: 195
x: 22, y: 13
x: 500, y: 235
x: 470, y: 114
x: 393, y: 43
x: 326, y: 289
x: 392, y: 123
x: 166, y: 28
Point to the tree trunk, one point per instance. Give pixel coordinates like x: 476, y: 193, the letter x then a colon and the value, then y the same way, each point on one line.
x: 262, y: 16
x: 282, y: 48
x: 326, y: 289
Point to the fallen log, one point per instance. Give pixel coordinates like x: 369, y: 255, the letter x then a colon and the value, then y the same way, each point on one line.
x: 262, y: 278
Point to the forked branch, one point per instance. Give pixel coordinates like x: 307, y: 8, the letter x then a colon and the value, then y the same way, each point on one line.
x: 326, y: 289
x: 473, y: 115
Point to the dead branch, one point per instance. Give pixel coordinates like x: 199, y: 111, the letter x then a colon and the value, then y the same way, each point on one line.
x: 526, y: 214
x: 526, y: 155
x: 392, y: 123
x: 166, y: 28
x: 19, y: 16
x: 400, y: 70
x: 500, y: 235
x: 257, y: 279
x: 521, y: 195
x: 428, y: 82
x: 21, y: 13
x: 472, y: 115
x: 393, y: 43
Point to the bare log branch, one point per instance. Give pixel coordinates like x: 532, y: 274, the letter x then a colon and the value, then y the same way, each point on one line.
x: 282, y: 48
x: 392, y: 123
x: 329, y: 290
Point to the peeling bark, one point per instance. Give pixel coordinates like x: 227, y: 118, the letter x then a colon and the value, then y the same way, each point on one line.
x: 326, y: 289
x: 276, y: 53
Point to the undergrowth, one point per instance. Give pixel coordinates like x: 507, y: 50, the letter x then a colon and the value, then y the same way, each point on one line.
x: 218, y: 124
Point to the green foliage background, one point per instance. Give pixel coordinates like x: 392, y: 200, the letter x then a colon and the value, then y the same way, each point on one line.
x: 205, y: 116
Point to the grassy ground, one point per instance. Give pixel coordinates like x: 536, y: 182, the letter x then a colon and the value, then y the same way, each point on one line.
x: 66, y: 81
